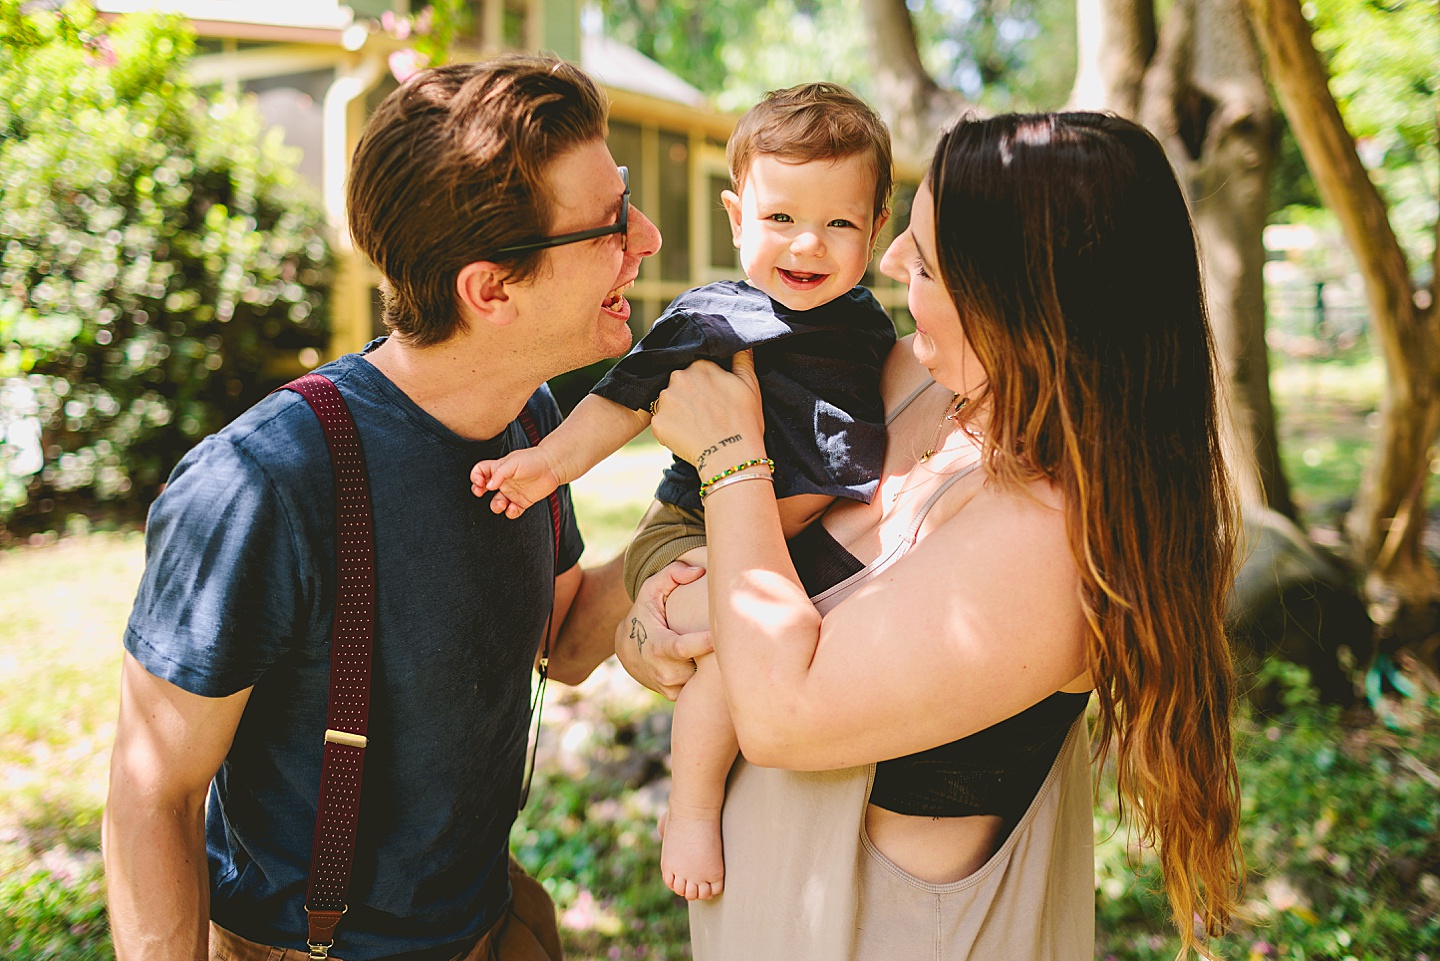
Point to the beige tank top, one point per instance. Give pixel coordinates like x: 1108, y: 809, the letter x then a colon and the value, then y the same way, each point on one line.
x: 804, y: 883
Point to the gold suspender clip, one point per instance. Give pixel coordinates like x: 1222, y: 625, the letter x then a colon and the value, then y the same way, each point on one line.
x: 333, y: 736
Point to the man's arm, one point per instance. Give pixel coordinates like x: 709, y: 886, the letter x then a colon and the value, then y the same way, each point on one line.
x: 601, y: 621
x: 588, y: 605
x: 168, y: 745
x: 649, y: 650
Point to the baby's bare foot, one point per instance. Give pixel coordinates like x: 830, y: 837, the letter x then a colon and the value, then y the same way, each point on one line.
x: 691, y: 858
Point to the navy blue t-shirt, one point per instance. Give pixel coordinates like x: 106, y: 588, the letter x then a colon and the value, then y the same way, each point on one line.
x: 819, y: 373
x: 238, y: 591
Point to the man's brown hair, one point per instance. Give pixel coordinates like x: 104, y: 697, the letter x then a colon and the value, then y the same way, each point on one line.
x: 450, y: 169
x: 814, y: 121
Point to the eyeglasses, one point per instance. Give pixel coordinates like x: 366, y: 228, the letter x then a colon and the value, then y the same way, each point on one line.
x: 621, y: 227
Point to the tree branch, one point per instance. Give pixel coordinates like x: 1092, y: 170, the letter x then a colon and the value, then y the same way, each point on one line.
x: 1329, y: 150
x: 915, y: 106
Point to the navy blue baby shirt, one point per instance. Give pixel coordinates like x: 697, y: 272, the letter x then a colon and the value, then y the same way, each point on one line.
x: 819, y: 373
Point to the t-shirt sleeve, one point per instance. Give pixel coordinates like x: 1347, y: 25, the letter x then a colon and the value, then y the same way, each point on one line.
x: 547, y: 417
x: 676, y: 341
x: 225, y: 587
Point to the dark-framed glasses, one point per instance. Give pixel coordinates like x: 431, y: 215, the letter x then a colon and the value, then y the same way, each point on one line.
x: 620, y: 226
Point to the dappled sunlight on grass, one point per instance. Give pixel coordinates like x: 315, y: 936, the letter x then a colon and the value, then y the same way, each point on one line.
x: 1327, y: 416
x: 62, y: 610
x: 1339, y: 825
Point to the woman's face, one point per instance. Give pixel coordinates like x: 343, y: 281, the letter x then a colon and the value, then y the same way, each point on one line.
x: 939, y: 343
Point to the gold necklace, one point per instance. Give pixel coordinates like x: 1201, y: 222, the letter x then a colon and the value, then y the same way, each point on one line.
x: 952, y: 411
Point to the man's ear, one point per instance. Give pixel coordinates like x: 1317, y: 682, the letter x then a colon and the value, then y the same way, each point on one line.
x: 731, y: 200
x: 483, y: 292
x: 875, y: 231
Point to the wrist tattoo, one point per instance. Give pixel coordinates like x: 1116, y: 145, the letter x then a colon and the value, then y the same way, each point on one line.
x: 700, y: 461
x: 637, y: 631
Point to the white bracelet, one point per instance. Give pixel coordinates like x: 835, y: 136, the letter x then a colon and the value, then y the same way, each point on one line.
x: 735, y: 479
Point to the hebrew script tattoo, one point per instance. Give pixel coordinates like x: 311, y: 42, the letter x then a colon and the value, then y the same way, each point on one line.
x: 700, y: 461
x: 637, y: 631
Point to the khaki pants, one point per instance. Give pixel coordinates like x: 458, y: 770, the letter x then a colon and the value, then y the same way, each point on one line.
x: 526, y: 932
x: 664, y: 533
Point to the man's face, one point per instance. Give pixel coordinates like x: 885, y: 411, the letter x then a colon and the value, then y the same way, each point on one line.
x: 576, y: 302
x: 805, y: 230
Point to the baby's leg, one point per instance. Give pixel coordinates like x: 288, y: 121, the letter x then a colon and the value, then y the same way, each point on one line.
x: 702, y: 749
x: 687, y: 609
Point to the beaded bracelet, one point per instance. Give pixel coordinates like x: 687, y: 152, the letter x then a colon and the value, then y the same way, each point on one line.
x: 756, y: 462
x: 709, y: 489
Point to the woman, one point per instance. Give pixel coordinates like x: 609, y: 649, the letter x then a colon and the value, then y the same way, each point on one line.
x: 1053, y: 519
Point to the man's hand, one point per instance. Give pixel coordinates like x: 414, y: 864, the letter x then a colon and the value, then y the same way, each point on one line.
x: 519, y: 479
x: 654, y: 655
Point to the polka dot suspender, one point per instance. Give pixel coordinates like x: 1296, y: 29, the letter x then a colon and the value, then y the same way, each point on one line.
x: 537, y: 706
x: 351, y: 640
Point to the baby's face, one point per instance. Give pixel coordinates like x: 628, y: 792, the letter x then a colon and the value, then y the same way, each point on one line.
x: 805, y: 230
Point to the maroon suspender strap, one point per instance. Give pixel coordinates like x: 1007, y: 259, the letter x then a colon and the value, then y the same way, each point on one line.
x: 351, y: 640
x: 532, y: 432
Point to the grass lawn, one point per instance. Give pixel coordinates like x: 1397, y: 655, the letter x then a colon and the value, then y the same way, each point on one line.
x: 63, y: 607
x: 1326, y: 413
x: 1341, y: 827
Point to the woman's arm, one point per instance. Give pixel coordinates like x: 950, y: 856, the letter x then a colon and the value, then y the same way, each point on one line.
x: 979, y: 621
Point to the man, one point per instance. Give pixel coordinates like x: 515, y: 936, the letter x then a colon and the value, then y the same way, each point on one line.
x: 487, y: 198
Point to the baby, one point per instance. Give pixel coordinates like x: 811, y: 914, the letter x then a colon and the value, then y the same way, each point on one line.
x: 811, y: 171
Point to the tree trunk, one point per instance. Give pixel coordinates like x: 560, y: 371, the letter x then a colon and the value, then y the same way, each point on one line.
x: 1202, y: 92
x: 1116, y: 41
x: 1388, y: 518
x: 914, y: 105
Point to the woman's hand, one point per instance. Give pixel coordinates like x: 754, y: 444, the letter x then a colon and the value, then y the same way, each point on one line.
x: 708, y: 414
x: 653, y: 654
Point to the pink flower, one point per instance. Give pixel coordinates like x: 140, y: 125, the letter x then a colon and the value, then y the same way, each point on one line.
x: 581, y: 915
x: 406, y: 63
x: 397, y: 27
x: 99, y: 52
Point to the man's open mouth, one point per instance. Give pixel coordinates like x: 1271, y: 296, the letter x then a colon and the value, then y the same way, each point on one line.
x: 616, y: 297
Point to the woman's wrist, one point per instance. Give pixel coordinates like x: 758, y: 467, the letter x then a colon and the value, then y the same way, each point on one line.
x: 729, y: 454
x: 762, y: 472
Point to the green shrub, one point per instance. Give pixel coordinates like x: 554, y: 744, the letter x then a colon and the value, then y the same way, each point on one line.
x: 1341, y: 832
x: 154, y: 247
x: 588, y: 832
x: 54, y: 909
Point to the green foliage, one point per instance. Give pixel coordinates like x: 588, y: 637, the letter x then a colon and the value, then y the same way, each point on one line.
x: 588, y: 832
x: 54, y: 910
x: 154, y: 249
x: 1382, y: 58
x: 446, y: 20
x: 1005, y: 54
x: 1340, y: 819
x: 687, y: 36
x: 1002, y: 54
x: 1341, y: 831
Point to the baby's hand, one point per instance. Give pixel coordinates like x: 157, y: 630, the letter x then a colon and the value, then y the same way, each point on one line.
x: 519, y: 479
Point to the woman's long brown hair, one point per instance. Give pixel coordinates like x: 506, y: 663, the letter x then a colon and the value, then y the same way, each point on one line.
x: 1068, y: 249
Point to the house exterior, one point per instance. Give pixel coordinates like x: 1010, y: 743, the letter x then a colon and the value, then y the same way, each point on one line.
x: 319, y: 67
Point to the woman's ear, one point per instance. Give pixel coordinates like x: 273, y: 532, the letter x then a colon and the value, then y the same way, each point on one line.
x: 731, y: 200
x: 482, y: 290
